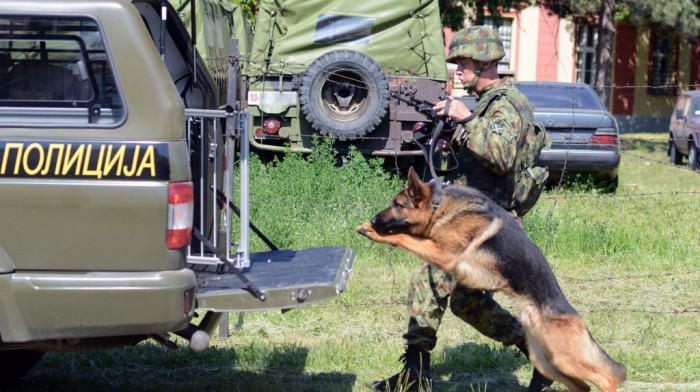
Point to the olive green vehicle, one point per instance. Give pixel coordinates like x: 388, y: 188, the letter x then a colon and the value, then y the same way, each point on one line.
x: 116, y: 178
x: 331, y: 68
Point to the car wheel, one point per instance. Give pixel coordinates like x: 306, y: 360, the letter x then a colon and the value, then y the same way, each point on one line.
x: 693, y: 156
x: 16, y: 363
x: 611, y: 185
x: 676, y: 157
x: 345, y: 93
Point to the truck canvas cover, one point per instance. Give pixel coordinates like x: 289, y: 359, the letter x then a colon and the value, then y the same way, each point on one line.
x: 293, y: 33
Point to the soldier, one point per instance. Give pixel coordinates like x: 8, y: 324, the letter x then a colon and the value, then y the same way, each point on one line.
x: 487, y: 144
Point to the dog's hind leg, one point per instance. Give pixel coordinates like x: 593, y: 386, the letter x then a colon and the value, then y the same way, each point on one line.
x: 543, y: 362
x: 575, y: 385
x: 602, y: 381
x: 575, y: 354
x: 583, y: 370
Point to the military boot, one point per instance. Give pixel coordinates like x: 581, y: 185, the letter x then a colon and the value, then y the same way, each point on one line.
x: 539, y: 382
x: 414, y: 377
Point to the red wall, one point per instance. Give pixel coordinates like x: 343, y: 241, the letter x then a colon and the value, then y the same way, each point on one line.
x: 623, y: 75
x: 695, y: 64
x: 547, y: 47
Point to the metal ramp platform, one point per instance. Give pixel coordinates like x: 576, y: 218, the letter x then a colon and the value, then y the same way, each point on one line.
x: 288, y: 278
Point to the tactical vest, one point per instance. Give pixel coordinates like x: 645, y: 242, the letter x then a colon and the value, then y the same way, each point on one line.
x: 519, y: 189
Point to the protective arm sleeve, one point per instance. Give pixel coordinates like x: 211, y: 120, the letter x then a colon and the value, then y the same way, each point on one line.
x: 493, y: 137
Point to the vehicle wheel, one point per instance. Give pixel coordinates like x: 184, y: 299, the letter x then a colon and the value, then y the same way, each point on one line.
x: 676, y: 157
x: 611, y: 185
x: 344, y: 92
x: 16, y: 363
x: 693, y: 156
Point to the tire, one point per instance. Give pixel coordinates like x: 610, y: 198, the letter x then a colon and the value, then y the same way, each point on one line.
x: 611, y: 185
x: 16, y: 363
x: 675, y: 156
x: 693, y: 162
x: 345, y: 93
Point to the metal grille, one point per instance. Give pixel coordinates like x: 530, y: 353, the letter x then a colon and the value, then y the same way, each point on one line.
x: 213, y: 168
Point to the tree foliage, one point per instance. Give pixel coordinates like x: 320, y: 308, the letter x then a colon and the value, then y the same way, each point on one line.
x: 249, y: 8
x: 454, y: 12
x: 679, y: 16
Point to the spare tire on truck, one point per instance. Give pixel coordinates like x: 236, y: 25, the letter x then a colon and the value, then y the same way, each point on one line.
x: 345, y: 93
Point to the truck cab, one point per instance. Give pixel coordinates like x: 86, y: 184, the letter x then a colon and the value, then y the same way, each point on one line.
x: 116, y: 178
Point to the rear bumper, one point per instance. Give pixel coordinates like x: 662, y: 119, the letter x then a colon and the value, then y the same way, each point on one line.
x: 606, y: 163
x: 53, y: 305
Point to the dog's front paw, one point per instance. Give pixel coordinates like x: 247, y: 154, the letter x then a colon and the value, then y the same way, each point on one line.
x: 367, y: 230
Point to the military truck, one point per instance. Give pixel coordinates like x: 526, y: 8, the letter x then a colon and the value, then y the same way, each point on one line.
x: 315, y: 69
x: 116, y: 176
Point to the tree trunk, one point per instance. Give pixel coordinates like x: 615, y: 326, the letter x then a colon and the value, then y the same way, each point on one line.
x: 604, y: 50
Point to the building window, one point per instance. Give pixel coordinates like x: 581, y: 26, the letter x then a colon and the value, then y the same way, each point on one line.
x: 503, y: 26
x: 587, y: 40
x: 660, y: 74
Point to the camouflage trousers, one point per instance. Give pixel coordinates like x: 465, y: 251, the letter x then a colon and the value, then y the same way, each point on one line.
x: 430, y: 292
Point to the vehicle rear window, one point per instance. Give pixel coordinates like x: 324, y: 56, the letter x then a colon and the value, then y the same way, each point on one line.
x: 56, y: 71
x: 561, y: 97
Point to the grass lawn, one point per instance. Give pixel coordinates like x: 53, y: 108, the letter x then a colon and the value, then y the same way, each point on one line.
x: 628, y: 262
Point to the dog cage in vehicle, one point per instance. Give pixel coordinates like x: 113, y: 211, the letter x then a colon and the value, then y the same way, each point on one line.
x: 213, y: 171
x: 227, y: 271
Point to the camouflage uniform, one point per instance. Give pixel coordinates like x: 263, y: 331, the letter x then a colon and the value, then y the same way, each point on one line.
x: 489, y: 158
x: 487, y: 153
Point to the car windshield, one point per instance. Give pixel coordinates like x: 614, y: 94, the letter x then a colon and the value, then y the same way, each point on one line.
x: 561, y: 97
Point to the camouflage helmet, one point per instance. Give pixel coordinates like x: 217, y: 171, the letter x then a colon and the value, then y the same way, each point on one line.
x: 480, y: 43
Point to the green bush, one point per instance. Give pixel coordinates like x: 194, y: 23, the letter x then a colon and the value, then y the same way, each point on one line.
x: 312, y: 200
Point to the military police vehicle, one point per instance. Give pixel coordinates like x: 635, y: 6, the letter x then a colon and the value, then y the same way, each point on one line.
x: 116, y: 178
x: 316, y: 69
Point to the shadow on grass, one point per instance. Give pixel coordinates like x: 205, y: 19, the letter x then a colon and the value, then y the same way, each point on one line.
x: 148, y: 367
x: 478, y: 368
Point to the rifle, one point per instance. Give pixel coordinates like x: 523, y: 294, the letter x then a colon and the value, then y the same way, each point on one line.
x: 419, y: 137
x: 426, y: 108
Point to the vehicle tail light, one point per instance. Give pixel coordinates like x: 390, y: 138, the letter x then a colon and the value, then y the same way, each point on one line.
x: 180, y: 212
x: 418, y: 127
x: 604, y: 136
x: 272, y: 125
x: 259, y: 132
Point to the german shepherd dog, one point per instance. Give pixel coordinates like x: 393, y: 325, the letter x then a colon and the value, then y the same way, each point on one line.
x: 460, y: 230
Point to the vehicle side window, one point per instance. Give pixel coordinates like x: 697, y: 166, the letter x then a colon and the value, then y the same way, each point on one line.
x: 678, y: 110
x: 687, y: 111
x: 56, y: 71
x: 695, y: 108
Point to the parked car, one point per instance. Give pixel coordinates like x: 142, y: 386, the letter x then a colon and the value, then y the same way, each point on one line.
x: 684, y: 131
x: 585, y: 137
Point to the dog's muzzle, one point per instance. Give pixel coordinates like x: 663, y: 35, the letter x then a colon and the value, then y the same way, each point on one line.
x: 386, y: 226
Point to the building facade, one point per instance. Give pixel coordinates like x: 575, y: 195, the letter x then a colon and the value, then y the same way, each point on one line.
x: 650, y: 67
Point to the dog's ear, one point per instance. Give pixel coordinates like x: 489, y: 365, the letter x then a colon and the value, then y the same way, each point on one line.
x: 417, y: 189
